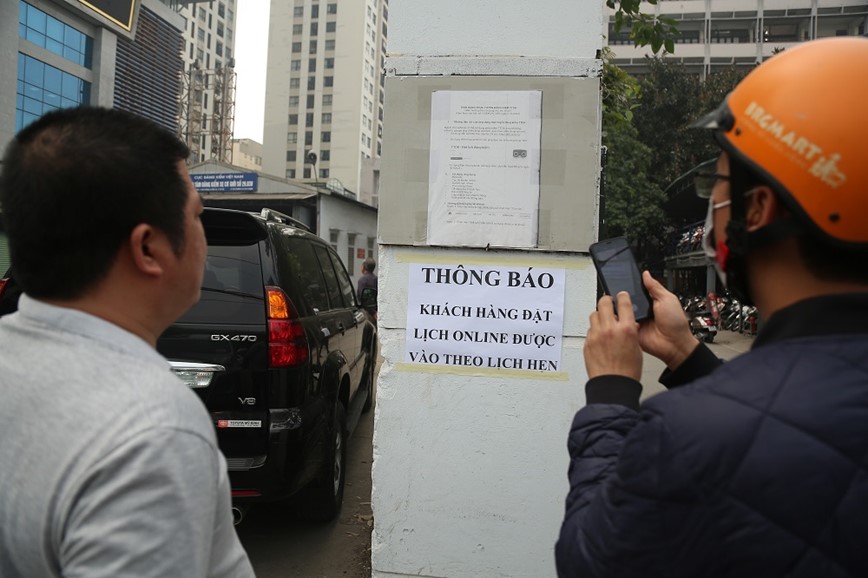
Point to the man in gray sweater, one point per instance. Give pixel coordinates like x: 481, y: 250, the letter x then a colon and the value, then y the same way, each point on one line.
x: 110, y: 464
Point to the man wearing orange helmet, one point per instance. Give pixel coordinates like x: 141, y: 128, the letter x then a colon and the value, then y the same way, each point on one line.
x: 758, y: 467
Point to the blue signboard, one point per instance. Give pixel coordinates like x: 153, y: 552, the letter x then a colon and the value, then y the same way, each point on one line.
x: 225, y: 182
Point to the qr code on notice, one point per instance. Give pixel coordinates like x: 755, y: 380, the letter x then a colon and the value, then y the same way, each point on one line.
x: 519, y: 153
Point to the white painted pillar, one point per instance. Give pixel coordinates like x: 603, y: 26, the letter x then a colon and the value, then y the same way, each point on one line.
x: 469, y: 474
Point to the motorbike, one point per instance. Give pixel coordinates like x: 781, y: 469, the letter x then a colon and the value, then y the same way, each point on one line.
x: 700, y: 318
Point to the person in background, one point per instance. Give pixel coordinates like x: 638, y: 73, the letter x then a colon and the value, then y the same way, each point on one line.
x: 110, y: 464
x: 368, y: 279
x: 756, y: 467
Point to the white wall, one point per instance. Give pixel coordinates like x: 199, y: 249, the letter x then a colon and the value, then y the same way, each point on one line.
x: 469, y: 475
x: 347, y: 217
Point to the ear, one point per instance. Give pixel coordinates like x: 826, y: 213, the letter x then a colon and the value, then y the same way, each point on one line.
x: 763, y: 207
x: 146, y: 249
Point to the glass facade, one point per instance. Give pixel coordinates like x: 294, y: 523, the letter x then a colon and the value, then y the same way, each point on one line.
x: 48, y: 32
x: 42, y: 87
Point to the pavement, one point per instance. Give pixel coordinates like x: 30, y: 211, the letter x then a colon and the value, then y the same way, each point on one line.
x: 727, y: 344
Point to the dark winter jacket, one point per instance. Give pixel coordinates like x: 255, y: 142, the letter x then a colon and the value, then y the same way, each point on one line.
x: 758, y: 469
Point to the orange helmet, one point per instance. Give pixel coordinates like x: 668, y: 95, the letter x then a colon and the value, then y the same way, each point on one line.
x: 799, y: 120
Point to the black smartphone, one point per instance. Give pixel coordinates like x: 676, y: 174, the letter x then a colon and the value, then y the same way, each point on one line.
x: 617, y: 270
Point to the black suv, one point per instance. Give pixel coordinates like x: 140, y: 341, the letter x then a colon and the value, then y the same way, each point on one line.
x: 281, y: 353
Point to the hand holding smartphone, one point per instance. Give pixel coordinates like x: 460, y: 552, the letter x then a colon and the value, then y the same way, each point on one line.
x: 617, y: 270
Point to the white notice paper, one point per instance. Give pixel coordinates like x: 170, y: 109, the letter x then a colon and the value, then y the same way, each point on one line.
x: 485, y: 317
x: 483, y: 182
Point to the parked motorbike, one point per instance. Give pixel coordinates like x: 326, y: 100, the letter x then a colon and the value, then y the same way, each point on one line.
x: 702, y: 321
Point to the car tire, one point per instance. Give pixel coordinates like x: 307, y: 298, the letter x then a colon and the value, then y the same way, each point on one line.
x: 323, y: 499
x: 369, y: 379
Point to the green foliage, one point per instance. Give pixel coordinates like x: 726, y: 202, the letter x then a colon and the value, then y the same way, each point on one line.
x: 633, y: 202
x: 646, y: 131
x: 621, y: 92
x: 645, y: 29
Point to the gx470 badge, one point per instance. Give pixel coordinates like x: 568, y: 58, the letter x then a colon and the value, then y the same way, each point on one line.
x: 249, y: 338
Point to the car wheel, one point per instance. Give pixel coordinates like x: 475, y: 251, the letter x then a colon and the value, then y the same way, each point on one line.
x: 369, y: 379
x: 323, y: 499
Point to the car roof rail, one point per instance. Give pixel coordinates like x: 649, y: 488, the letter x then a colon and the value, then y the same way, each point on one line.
x: 278, y: 217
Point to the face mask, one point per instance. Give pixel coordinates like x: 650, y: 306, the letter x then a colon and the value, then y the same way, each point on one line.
x: 720, y: 254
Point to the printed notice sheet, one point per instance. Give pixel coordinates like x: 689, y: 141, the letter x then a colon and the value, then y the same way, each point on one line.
x: 483, y: 184
x: 484, y: 317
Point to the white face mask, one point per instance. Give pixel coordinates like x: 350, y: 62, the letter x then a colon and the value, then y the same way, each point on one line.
x: 707, y: 237
x: 719, y: 255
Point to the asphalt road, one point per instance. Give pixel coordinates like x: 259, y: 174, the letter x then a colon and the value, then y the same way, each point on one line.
x: 279, y: 545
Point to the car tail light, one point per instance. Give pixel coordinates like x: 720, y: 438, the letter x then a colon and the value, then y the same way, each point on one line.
x: 287, y: 343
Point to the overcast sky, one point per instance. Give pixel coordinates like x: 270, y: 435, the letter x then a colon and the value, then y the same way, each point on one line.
x: 251, y: 47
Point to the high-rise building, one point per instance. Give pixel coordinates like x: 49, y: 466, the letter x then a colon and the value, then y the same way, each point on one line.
x: 208, y: 82
x: 721, y: 33
x: 323, y: 119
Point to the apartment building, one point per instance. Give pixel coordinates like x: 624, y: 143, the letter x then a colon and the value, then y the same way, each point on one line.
x: 323, y: 114
x: 247, y: 154
x: 207, y: 102
x: 721, y: 33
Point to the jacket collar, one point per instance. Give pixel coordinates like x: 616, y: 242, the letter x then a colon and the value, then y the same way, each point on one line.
x: 845, y: 314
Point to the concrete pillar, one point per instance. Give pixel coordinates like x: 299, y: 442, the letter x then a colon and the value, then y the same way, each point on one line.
x: 470, y: 463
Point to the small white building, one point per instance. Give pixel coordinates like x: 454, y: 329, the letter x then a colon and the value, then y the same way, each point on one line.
x: 335, y: 215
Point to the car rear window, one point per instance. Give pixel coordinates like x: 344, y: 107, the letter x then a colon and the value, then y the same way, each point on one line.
x: 232, y: 287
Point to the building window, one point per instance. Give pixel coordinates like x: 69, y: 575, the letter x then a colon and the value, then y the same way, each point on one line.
x: 50, y: 33
x: 325, y: 155
x: 323, y: 173
x: 331, y: 26
x: 326, y: 100
x: 290, y: 156
x: 328, y: 81
x: 310, y: 100
x: 329, y: 63
x: 219, y: 49
x: 294, y: 82
x: 331, y: 8
x: 326, y: 136
x: 201, y: 35
x: 292, y: 137
x: 308, y: 120
x: 330, y: 44
x: 311, y: 65
x: 43, y: 88
x: 314, y: 29
x: 314, y: 11
x: 311, y: 82
x: 201, y: 14
x: 298, y: 11
x: 221, y: 10
x: 306, y: 173
x: 296, y: 46
x: 308, y: 138
x: 293, y: 119
x: 220, y: 29
x: 295, y: 65
x: 290, y: 173
x: 334, y: 237
x: 293, y: 101
x: 297, y: 28
x: 326, y: 118
x: 312, y: 49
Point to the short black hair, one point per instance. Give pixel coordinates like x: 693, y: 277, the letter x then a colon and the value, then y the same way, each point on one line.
x: 369, y: 265
x: 73, y: 186
x: 824, y: 257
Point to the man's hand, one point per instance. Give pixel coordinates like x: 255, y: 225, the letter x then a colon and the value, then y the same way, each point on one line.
x: 668, y: 336
x: 612, y: 345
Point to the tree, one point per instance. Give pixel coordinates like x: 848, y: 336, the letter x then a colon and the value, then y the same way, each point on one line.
x: 645, y: 29
x: 631, y: 204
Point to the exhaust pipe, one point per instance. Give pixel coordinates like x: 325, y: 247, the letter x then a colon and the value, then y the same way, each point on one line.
x: 238, y: 514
